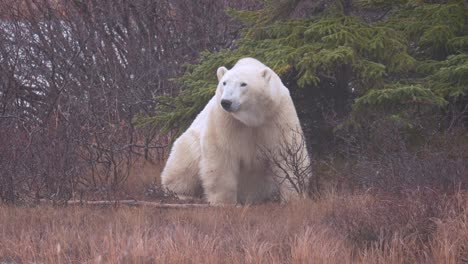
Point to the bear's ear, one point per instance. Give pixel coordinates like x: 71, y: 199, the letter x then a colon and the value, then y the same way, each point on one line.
x: 266, y: 74
x: 220, y: 72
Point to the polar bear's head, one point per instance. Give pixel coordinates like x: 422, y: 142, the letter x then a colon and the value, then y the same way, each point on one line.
x: 248, y: 91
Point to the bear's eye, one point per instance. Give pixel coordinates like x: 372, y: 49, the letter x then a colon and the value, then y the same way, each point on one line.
x: 243, y: 84
x: 224, y: 83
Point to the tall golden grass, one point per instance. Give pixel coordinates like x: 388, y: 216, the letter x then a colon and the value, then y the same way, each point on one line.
x: 414, y: 227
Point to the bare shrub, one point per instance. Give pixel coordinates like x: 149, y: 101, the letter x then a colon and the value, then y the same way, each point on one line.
x: 38, y: 164
x: 289, y: 162
x: 73, y: 76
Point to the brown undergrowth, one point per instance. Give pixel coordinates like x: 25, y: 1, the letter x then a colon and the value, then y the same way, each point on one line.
x: 414, y: 227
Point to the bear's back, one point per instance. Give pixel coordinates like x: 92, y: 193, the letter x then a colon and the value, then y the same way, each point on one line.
x: 250, y: 62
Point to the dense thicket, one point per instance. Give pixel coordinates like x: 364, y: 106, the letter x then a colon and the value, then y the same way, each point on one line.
x: 73, y: 74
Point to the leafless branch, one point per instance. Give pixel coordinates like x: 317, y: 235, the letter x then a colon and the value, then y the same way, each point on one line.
x: 289, y: 162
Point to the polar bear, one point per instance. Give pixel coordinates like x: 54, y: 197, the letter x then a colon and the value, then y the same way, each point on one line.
x: 222, y: 153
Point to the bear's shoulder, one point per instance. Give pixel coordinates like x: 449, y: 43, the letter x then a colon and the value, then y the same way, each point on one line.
x: 199, y: 124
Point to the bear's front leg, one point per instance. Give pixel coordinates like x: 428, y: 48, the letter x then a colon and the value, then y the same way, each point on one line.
x: 219, y: 179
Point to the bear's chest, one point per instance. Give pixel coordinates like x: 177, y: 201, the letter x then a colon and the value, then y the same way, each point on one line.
x: 247, y: 149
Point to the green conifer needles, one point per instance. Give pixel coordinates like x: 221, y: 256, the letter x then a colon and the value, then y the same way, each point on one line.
x: 416, y: 55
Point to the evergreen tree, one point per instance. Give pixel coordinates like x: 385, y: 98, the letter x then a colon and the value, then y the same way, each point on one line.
x: 413, y: 56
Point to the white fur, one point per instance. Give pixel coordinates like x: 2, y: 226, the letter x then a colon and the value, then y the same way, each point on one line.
x: 221, y: 154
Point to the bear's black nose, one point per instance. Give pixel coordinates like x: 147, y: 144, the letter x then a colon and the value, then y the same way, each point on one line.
x: 226, y: 104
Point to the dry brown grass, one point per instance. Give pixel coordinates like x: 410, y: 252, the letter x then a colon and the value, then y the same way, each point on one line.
x: 142, y: 175
x: 417, y: 227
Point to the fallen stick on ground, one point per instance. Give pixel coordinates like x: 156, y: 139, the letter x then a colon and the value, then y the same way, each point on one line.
x: 130, y: 203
